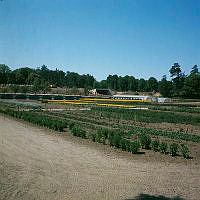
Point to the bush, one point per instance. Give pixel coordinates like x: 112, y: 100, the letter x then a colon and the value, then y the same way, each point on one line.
x: 110, y: 138
x: 145, y: 140
x: 173, y: 149
x: 163, y: 147
x: 134, y: 147
x: 98, y: 137
x: 155, y: 145
x: 122, y: 144
x: 83, y: 133
x: 71, y: 125
x: 93, y: 137
x: 74, y: 131
x: 44, y: 101
x: 184, y: 151
x: 127, y: 143
x: 116, y: 140
x: 78, y: 132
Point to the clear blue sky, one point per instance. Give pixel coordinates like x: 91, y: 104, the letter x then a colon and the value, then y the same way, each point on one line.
x: 142, y: 38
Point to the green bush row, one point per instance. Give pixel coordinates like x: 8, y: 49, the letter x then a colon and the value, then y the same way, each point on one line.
x: 175, y: 109
x: 35, y: 118
x: 148, y: 116
x: 78, y: 132
x: 135, y: 129
x: 115, y: 138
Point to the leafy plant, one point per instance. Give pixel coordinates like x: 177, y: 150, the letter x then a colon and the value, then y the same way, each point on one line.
x: 173, y: 149
x: 122, y: 144
x: 155, y: 145
x: 184, y: 151
x: 145, y: 140
x: 163, y: 146
x: 134, y: 147
x: 127, y: 143
x: 93, y: 137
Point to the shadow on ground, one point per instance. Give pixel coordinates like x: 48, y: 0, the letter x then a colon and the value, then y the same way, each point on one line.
x: 152, y: 197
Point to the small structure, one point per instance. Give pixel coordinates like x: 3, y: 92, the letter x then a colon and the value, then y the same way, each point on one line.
x: 133, y: 97
x: 141, y: 98
x: 164, y: 100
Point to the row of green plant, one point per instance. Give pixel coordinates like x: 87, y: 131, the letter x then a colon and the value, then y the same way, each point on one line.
x: 168, y: 134
x: 15, y: 104
x: 114, y: 138
x: 117, y: 139
x: 35, y: 118
x: 175, y: 109
x: 163, y: 147
x: 147, y: 116
x: 133, y: 129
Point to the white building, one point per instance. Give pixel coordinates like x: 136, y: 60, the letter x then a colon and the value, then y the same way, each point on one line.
x: 133, y: 97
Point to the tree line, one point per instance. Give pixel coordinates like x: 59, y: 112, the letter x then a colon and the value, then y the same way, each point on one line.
x: 180, y: 85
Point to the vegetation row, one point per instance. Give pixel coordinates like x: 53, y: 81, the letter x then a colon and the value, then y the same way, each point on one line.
x: 34, y: 118
x: 148, y: 116
x: 115, y: 138
x: 134, y: 129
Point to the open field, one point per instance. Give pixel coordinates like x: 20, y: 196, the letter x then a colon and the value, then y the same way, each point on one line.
x: 104, y: 160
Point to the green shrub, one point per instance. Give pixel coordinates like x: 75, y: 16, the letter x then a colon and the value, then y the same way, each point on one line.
x: 99, y: 136
x: 110, y: 138
x: 74, y: 131
x: 78, y: 132
x: 71, y: 125
x: 103, y: 139
x: 127, y: 143
x: 93, y: 137
x: 184, y: 151
x: 163, y: 146
x: 173, y: 149
x: 116, y: 140
x: 44, y: 101
x: 155, y: 145
x: 83, y: 134
x: 122, y: 144
x: 134, y: 147
x: 145, y: 140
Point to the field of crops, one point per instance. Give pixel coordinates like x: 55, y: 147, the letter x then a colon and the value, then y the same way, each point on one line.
x: 116, y: 123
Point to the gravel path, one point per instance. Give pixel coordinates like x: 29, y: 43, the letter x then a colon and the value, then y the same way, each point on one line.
x: 37, y: 164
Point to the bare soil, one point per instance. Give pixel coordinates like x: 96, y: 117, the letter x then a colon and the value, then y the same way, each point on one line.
x: 36, y: 163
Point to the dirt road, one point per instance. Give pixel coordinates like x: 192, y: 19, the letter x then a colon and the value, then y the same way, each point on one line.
x: 37, y: 164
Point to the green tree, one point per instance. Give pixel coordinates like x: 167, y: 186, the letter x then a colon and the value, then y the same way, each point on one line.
x: 22, y: 74
x: 142, y: 85
x: 194, y: 70
x: 152, y: 84
x: 24, y: 89
x: 15, y: 88
x: 192, y: 86
x: 132, y: 84
x: 165, y: 87
x: 44, y: 87
x: 177, y: 78
x: 103, y: 84
x: 32, y: 77
x: 4, y: 73
x: 36, y: 86
x: 112, y: 81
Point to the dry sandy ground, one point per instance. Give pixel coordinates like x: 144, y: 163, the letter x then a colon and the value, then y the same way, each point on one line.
x: 39, y: 164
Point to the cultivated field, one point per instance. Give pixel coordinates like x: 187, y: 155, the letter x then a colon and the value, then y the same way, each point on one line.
x: 85, y: 150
